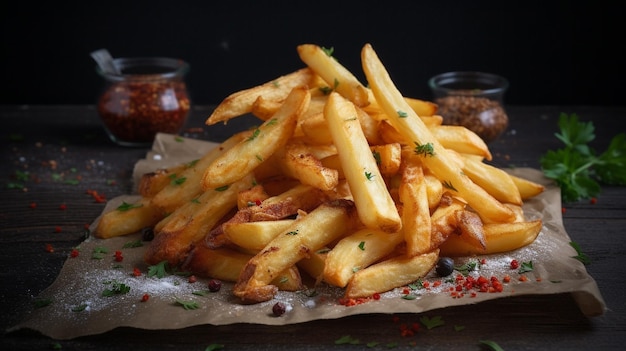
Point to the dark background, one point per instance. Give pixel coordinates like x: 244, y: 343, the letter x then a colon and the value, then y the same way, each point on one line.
x: 551, y: 52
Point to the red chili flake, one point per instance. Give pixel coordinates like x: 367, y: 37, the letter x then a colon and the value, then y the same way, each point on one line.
x: 74, y: 253
x: 193, y: 279
x: 136, y: 272
x: 593, y: 201
x: 406, y: 291
x: 483, y: 261
x: 49, y: 248
x: 436, y: 283
x: 118, y: 256
x: 376, y: 296
x: 33, y: 205
x: 258, y: 202
x: 563, y: 210
x: 538, y: 279
x: 514, y: 264
x: 473, y: 294
x: 523, y: 278
x: 57, y: 229
x: 63, y: 207
x: 506, y: 279
x: 426, y: 284
x: 145, y: 298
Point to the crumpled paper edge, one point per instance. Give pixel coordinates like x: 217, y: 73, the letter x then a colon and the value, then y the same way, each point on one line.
x: 80, y: 280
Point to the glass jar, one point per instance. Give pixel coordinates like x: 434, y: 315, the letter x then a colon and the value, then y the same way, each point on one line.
x: 473, y: 100
x: 148, y: 96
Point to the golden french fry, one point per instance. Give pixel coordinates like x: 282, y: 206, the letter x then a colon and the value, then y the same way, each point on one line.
x: 390, y: 274
x: 434, y: 189
x: 422, y: 107
x: 298, y: 162
x: 177, y: 233
x: 435, y: 156
x: 226, y: 264
x: 244, y: 157
x: 254, y: 235
x: 471, y: 229
x: 276, y: 90
x: 128, y: 219
x: 357, y: 251
x: 314, y: 264
x: 187, y: 185
x: 308, y: 233
x: 495, y: 181
x: 315, y: 130
x: 500, y: 237
x: 336, y: 76
x: 264, y: 109
x: 388, y: 157
x: 374, y: 204
x: 413, y: 194
x: 461, y: 139
x: 526, y: 188
x: 301, y: 197
x: 152, y: 182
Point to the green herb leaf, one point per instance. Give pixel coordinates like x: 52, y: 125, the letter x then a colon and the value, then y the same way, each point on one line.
x: 424, y: 149
x: 431, y: 323
x: 492, y: 345
x: 158, y: 270
x: 188, y: 305
x: 526, y: 267
x: 214, y: 347
x: 125, y: 206
x: 576, y: 168
x: 117, y: 288
x: 347, y: 339
x: 580, y: 255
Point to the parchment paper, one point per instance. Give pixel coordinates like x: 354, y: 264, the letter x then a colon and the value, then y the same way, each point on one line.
x: 79, y: 308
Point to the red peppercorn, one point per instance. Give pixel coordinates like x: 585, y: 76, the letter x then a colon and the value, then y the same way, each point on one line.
x: 74, y: 253
x: 145, y: 297
x: 49, y: 248
x: 192, y: 279
x: 279, y: 309
x: 136, y: 272
x: 514, y: 264
x: 215, y: 285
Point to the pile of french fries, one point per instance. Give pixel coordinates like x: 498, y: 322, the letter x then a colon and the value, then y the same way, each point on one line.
x: 345, y: 184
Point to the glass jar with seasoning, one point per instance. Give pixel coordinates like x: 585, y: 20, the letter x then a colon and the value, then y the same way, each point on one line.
x: 147, y: 96
x: 473, y: 100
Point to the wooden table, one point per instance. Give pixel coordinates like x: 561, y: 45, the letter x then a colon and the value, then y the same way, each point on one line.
x: 58, y: 144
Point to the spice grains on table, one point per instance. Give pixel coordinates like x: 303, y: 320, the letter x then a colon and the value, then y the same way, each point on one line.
x: 56, y: 159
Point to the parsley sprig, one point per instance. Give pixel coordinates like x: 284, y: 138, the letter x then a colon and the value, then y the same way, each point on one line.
x: 577, y: 168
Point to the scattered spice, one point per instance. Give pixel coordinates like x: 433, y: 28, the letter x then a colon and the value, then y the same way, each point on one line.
x: 49, y: 248
x: 215, y: 285
x: 74, y: 253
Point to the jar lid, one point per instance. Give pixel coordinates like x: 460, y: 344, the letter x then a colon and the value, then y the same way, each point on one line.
x: 146, y: 68
x: 468, y: 83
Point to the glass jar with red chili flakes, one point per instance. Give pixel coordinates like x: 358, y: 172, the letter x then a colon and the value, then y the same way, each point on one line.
x: 148, y: 96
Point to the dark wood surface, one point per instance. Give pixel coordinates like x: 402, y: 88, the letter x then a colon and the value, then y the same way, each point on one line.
x: 58, y: 143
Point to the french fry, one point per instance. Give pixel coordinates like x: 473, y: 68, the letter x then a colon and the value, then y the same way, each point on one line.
x: 336, y: 76
x: 301, y: 197
x: 187, y: 185
x: 254, y: 236
x: 276, y: 90
x: 461, y: 139
x: 314, y: 264
x: 128, y: 219
x: 499, y: 237
x: 527, y: 188
x: 298, y: 162
x: 244, y: 157
x: 374, y: 204
x: 436, y: 157
x: 308, y: 233
x: 152, y: 182
x: 357, y: 251
x: 413, y: 193
x: 226, y: 264
x: 390, y: 274
x: 388, y: 157
x: 495, y: 181
x: 176, y: 234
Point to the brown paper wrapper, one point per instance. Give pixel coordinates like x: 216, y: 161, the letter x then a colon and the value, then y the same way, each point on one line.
x: 79, y: 308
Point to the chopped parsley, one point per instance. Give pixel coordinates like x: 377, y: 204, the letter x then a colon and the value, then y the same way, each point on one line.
x: 424, y: 149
